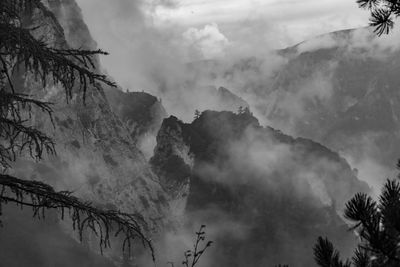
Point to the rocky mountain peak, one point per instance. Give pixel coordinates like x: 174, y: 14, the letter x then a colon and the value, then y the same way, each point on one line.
x: 224, y: 168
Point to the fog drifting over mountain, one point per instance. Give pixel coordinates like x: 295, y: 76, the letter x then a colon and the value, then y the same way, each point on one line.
x: 151, y: 43
x: 331, y: 100
x: 176, y: 49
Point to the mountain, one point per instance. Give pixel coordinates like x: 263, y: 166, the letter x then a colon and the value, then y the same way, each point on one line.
x: 342, y: 89
x: 339, y: 89
x: 142, y: 115
x: 97, y: 156
x: 265, y: 195
x: 195, y: 95
x: 228, y: 101
x: 142, y: 112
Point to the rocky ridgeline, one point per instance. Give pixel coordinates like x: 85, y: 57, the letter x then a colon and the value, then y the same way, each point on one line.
x: 266, y: 195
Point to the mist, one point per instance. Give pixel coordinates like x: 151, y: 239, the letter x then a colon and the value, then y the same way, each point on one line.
x: 268, y: 176
x: 183, y: 63
x: 150, y: 52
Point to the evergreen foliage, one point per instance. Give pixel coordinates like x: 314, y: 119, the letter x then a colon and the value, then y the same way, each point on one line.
x: 74, y: 70
x: 377, y: 224
x: 383, y: 13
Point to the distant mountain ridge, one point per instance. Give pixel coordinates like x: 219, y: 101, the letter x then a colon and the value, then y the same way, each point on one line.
x: 349, y: 92
x: 340, y: 89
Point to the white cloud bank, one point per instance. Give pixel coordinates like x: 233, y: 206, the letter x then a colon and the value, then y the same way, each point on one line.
x: 209, y: 41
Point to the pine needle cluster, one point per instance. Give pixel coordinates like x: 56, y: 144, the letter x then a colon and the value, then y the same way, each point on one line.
x: 377, y: 223
x: 383, y: 13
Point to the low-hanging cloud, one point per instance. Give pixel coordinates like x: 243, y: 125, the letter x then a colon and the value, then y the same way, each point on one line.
x: 258, y: 180
x: 209, y: 41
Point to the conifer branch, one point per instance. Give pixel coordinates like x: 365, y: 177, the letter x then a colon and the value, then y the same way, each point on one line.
x: 42, y: 197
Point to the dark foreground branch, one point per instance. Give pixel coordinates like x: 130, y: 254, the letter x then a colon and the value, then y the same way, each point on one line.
x: 383, y: 13
x: 102, y: 223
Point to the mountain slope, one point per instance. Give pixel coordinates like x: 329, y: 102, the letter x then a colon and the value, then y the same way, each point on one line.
x: 265, y: 196
x: 342, y: 89
x: 97, y: 159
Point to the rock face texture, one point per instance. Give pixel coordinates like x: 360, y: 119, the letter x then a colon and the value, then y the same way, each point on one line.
x: 97, y: 157
x: 263, y: 194
x: 141, y: 113
x: 93, y: 146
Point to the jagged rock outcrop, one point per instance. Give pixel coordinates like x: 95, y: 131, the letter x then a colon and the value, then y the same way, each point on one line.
x: 141, y: 113
x: 173, y: 162
x: 264, y: 194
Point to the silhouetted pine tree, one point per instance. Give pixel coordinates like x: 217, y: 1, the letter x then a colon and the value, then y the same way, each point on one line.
x: 383, y: 13
x: 72, y: 69
x: 378, y: 227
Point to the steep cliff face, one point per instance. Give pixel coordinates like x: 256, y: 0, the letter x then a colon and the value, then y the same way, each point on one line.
x: 97, y: 158
x: 92, y: 143
x: 263, y: 194
x: 141, y: 113
x: 69, y: 17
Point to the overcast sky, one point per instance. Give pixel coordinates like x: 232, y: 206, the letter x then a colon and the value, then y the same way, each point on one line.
x: 197, y: 12
x: 293, y: 20
x: 290, y: 21
x: 144, y: 36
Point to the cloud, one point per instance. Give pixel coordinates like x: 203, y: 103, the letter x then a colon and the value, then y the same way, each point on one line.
x: 294, y: 20
x: 150, y: 43
x: 142, y: 56
x: 257, y: 193
x: 260, y: 160
x: 209, y: 41
x: 365, y: 44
